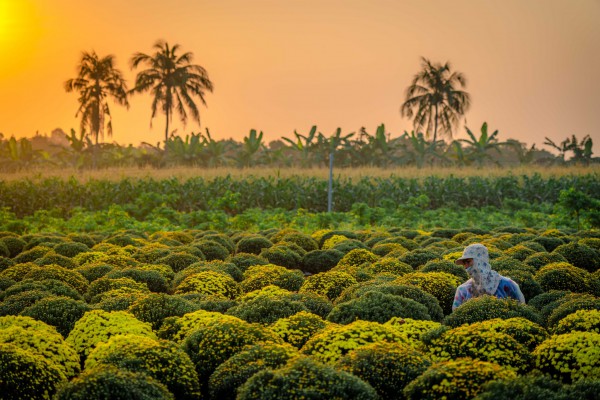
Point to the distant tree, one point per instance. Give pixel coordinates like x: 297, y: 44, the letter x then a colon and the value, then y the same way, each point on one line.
x: 479, y: 148
x: 433, y: 99
x: 96, y: 81
x: 173, y: 81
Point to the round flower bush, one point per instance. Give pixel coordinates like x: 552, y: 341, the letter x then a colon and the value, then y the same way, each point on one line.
x: 179, y: 261
x: 32, y: 254
x: 245, y: 260
x: 572, y: 304
x: 177, y: 329
x: 109, y: 382
x: 153, y: 280
x: 505, y: 264
x: 530, y: 386
x: 13, y: 245
x: 543, y: 299
x: 335, y: 342
x: 151, y: 253
x: 390, y: 265
x: 562, y: 276
x: 377, y: 307
x: 412, y: 328
x: 321, y: 260
x: 259, y: 276
x: 484, y: 345
x: 355, y: 258
x: 489, y: 307
x: 16, y: 272
x: 270, y: 290
x: 117, y: 299
x: 306, y: 242
x: 447, y: 267
x: 212, y: 250
x: 162, y: 360
x: 527, y: 333
x: 519, y: 252
x: 439, y: 284
x: 53, y: 286
x: 220, y: 238
x: 98, y: 326
x: 154, y: 308
x: 298, y: 328
x: 580, y: 255
x: 253, y: 244
x: 305, y: 378
x: 46, y: 344
x: 210, y: 345
x: 24, y: 375
x: 541, y: 259
x: 70, y: 249
x: 210, y: 282
x: 329, y: 284
x: 105, y: 284
x: 266, y: 309
x: 580, y: 320
x: 284, y: 255
x: 383, y: 249
x: 387, y: 367
x: 51, y: 258
x: 457, y: 379
x: 15, y: 304
x: 60, y: 312
x: 316, y: 304
x: 527, y: 284
x: 333, y: 241
x: 417, y: 257
x: 72, y: 278
x: 570, y: 356
x: 235, y: 371
x: 94, y: 270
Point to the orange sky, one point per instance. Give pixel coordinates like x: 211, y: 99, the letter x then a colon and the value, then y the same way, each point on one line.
x: 283, y: 65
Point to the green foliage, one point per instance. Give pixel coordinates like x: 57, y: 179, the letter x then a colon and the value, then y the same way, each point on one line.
x: 259, y: 276
x: 580, y: 320
x: 562, y: 276
x: 245, y: 260
x: 31, y: 254
x: 580, y: 255
x: 524, y: 387
x: 412, y: 328
x: 439, y: 284
x: 378, y: 307
x: 212, y: 250
x: 266, y: 309
x: 329, y: 284
x: 109, y: 382
x: 570, y: 356
x: 387, y: 367
x: 179, y: 261
x: 72, y: 278
x: 456, y: 379
x: 541, y: 259
x: 70, y: 249
x: 13, y: 245
x: 253, y: 244
x: 316, y: 261
x: 298, y: 328
x: 154, y: 308
x: 235, y: 371
x: 51, y: 258
x: 60, y: 312
x: 570, y: 305
x: 25, y: 375
x: 418, y: 257
x: 162, y: 360
x: 305, y: 378
x: 152, y: 279
x: 519, y: 252
x: 98, y: 326
x: 53, y: 286
x: 210, y: 282
x: 336, y: 341
x: 13, y: 305
x: 177, y: 329
x: 489, y: 307
x: 446, y: 266
x: 105, y: 284
x: 282, y: 255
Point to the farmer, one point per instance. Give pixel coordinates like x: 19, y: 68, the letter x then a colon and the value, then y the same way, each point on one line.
x: 483, y: 280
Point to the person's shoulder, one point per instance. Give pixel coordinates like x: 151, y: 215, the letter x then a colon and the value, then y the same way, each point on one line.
x: 466, y: 285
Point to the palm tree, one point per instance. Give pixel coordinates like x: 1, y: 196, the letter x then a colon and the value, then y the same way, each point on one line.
x: 97, y: 80
x: 173, y: 81
x: 434, y: 100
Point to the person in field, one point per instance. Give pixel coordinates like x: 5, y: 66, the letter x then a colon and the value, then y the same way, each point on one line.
x: 483, y: 279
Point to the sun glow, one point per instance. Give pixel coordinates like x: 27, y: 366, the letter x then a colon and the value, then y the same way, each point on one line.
x: 19, y: 34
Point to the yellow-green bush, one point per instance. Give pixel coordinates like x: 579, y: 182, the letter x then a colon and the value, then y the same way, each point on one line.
x: 161, y: 359
x: 98, y: 326
x: 105, y: 284
x: 562, y: 276
x: 270, y: 290
x: 303, y: 378
x: 109, y: 382
x: 32, y: 254
x: 235, y: 371
x: 70, y: 249
x: 24, y: 375
x: 332, y: 241
x: 336, y: 341
x: 316, y: 304
x: 528, y: 333
x: 56, y: 259
x: 178, y: 261
x: 94, y: 270
x: 417, y: 257
x: 446, y: 266
x: 118, y: 299
x: 298, y: 328
x: 46, y: 344
x: 155, y: 307
x: 390, y: 265
x: 489, y: 307
x: 259, y: 276
x: 285, y: 255
x: 266, y: 309
x: 580, y: 255
x: 13, y: 245
x: 387, y: 367
x: 60, y: 312
x: 245, y: 260
x: 208, y: 346
x: 355, y: 258
x: 570, y: 304
x: 383, y: 249
x: 538, y: 260
x: 18, y: 271
x: 480, y: 344
x: 15, y: 304
x: 53, y: 286
x: 329, y: 284
x: 580, y: 320
x: 154, y: 280
x: 457, y: 379
x: 210, y: 282
x: 178, y: 328
x: 212, y: 250
x: 253, y: 244
x: 439, y: 284
x: 412, y: 328
x: 570, y: 356
x: 73, y: 278
x: 519, y: 252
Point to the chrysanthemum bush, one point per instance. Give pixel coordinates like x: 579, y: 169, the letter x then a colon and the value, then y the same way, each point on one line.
x: 267, y: 309
x: 439, y: 284
x: 456, y: 379
x: 259, y: 276
x: 387, y: 367
x: 161, y: 359
x: 562, y: 276
x: 154, y: 308
x: 298, y: 328
x: 98, y: 326
x: 569, y: 304
x: 53, y: 286
x: 178, y: 328
x: 303, y: 378
x: 102, y: 285
x: 331, y: 344
x: 15, y: 304
x: 524, y: 331
x: 210, y: 282
x: 58, y: 311
x: 570, y: 356
x: 580, y: 255
x: 117, y: 299
x: 235, y: 371
x: 489, y: 307
x: 72, y: 278
x: 412, y: 328
x: 580, y: 320
x: 329, y: 284
x: 541, y: 259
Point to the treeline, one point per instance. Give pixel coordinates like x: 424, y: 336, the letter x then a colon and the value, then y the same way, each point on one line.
x: 140, y: 197
x: 312, y: 149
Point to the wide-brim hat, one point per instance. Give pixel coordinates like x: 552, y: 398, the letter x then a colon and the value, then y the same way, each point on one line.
x: 475, y: 250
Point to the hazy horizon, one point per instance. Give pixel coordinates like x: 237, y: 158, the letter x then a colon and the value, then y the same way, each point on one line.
x: 279, y: 66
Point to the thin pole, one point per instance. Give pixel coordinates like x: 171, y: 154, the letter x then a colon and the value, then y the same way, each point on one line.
x: 330, y: 188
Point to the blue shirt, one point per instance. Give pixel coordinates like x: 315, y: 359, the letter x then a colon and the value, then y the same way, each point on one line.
x: 507, y: 288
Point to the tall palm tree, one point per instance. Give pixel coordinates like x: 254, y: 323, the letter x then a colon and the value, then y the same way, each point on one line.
x: 97, y: 80
x: 434, y: 100
x: 173, y: 81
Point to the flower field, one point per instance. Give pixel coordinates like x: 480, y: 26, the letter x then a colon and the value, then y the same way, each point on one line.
x: 288, y: 313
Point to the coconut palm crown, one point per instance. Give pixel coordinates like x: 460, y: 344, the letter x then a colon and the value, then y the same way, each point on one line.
x: 434, y: 100
x: 173, y: 82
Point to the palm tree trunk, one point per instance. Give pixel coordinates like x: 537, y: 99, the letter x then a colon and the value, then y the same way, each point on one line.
x: 435, y: 124
x: 167, y: 128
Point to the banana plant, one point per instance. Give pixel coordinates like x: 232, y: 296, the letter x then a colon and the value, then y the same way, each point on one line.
x: 20, y: 154
x: 251, y: 146
x: 186, y: 151
x: 417, y: 150
x: 214, y: 153
x: 479, y: 148
x: 304, y: 145
x: 525, y: 155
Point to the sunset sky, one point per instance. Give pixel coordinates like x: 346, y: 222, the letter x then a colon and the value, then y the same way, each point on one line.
x: 532, y: 66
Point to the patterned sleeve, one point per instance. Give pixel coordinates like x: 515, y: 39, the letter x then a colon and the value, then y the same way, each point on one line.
x: 459, y: 297
x: 516, y: 292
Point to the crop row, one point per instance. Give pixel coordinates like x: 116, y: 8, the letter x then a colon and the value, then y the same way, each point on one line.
x: 283, y: 314
x: 310, y: 193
